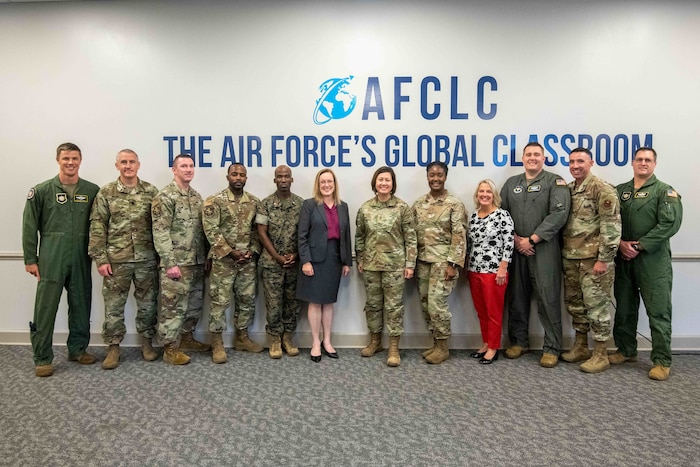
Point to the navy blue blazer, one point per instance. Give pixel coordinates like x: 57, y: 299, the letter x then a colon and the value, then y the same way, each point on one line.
x: 313, y: 233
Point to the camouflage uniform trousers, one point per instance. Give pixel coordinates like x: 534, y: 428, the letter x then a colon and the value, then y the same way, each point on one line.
x: 588, y: 296
x: 180, y: 302
x: 434, y: 290
x: 227, y: 274
x: 384, y: 297
x: 115, y: 290
x: 280, y: 287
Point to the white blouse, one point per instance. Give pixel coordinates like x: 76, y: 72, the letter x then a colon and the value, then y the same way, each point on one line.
x: 490, y: 241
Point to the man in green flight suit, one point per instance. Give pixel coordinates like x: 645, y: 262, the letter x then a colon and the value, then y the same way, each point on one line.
x: 651, y: 214
x: 58, y: 210
x: 539, y: 202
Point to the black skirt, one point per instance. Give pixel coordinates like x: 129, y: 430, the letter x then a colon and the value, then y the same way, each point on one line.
x: 322, y: 287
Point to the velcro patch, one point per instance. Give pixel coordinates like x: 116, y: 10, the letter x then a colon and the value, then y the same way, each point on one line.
x: 672, y: 193
x: 80, y: 198
x: 31, y: 193
x: 561, y: 182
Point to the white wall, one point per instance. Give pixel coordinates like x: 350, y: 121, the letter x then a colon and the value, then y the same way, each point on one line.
x: 108, y: 75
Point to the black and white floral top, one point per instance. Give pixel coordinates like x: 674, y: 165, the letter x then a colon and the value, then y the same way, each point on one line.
x: 490, y: 241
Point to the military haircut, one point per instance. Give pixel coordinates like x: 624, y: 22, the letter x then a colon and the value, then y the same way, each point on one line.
x: 317, y: 187
x: 233, y: 164
x: 494, y: 190
x: 533, y: 144
x: 182, y: 156
x: 584, y: 150
x: 383, y: 170
x: 68, y: 147
x: 128, y: 151
x: 645, y: 148
x: 440, y: 164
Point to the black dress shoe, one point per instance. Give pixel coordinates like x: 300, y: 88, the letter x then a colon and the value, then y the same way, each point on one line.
x: 315, y: 358
x: 328, y: 354
x: 477, y: 354
x: 486, y: 361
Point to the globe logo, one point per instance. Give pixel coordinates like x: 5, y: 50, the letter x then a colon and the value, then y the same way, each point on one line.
x: 335, y: 101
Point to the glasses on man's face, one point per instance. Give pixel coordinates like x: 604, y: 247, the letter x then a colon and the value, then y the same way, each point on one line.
x: 644, y: 160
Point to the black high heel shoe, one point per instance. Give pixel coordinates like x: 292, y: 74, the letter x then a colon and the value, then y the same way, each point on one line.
x: 477, y: 354
x: 328, y: 354
x: 486, y: 361
x: 315, y: 358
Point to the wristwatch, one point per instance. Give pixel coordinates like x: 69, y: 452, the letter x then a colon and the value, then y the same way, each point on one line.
x: 637, y: 247
x: 532, y: 242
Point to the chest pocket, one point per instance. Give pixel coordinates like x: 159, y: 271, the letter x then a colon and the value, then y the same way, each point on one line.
x: 382, y: 220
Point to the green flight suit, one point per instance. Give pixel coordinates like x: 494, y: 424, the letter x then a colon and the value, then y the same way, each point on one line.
x: 62, y: 222
x: 650, y: 215
x: 539, y: 207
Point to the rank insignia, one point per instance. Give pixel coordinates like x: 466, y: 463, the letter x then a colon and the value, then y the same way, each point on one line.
x: 61, y: 198
x: 641, y: 194
x: 626, y: 195
x: 518, y: 189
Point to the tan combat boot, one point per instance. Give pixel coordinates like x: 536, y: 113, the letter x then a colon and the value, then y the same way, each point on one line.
x: 599, y: 361
x: 430, y: 350
x: 189, y: 344
x: 660, y: 372
x: 618, y: 358
x: 174, y: 356
x: 440, y: 354
x: 579, y: 351
x: 218, y: 353
x: 288, y: 346
x: 147, y: 351
x: 111, y: 361
x: 243, y: 342
x: 548, y: 360
x: 515, y: 351
x: 374, y: 346
x: 275, y: 347
x: 43, y: 371
x: 394, y: 356
x: 83, y: 358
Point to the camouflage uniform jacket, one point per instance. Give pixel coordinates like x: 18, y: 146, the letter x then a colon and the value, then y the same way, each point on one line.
x: 230, y: 224
x: 120, y: 224
x: 385, y: 237
x: 177, y: 227
x: 441, y: 227
x: 281, y: 216
x: 593, y: 228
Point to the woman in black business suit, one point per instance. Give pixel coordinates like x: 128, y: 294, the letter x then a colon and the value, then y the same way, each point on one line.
x: 324, y: 253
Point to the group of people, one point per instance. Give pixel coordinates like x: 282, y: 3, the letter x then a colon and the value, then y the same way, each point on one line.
x: 517, y: 243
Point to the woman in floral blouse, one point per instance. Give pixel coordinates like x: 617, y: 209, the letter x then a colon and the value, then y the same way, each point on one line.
x: 490, y: 250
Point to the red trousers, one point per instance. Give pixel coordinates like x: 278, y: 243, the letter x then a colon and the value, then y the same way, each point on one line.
x: 488, y: 298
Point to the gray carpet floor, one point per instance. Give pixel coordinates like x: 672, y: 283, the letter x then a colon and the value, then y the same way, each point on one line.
x: 352, y: 411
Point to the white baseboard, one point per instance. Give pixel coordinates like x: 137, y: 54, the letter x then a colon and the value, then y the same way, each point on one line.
x: 303, y: 339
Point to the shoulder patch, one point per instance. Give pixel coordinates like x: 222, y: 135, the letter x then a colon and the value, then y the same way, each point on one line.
x: 607, y: 204
x: 671, y: 193
x: 208, y: 210
x: 561, y: 182
x: 31, y: 193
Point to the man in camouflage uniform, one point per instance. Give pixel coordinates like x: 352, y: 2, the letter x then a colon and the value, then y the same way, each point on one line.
x: 441, y: 229
x: 590, y: 240
x: 229, y: 223
x: 651, y: 214
x: 277, y: 219
x: 57, y: 221
x: 386, y: 250
x: 181, y: 245
x: 121, y: 244
x: 538, y: 201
